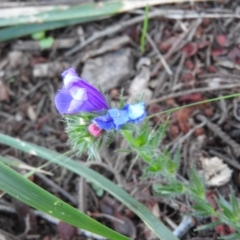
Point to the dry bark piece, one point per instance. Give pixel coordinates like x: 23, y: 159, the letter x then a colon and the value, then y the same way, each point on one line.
x: 31, y: 113
x: 215, y: 172
x: 50, y: 69
x: 140, y: 82
x: 109, y: 70
x: 108, y: 45
x: 17, y: 59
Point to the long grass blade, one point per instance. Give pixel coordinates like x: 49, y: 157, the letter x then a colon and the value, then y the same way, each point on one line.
x: 79, y: 168
x: 24, y: 190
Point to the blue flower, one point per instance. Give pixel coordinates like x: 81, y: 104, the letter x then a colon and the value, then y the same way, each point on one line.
x: 78, y: 96
x: 116, y: 118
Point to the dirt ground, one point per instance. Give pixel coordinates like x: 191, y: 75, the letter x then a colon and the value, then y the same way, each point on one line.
x: 192, y: 54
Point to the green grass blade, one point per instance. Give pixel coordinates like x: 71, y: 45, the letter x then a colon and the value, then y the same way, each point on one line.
x: 24, y: 30
x: 24, y: 190
x: 144, y: 29
x: 92, y: 10
x: 77, y: 167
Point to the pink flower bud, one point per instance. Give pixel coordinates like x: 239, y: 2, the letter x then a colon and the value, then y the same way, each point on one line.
x: 94, y: 130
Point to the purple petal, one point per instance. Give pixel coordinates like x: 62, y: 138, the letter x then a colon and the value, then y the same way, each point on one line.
x: 70, y: 77
x: 78, y: 93
x: 62, y: 101
x: 78, y: 96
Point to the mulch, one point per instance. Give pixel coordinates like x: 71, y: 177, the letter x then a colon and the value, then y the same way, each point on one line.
x: 192, y: 54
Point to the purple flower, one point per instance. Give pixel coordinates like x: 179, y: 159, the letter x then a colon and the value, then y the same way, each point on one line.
x: 78, y: 96
x: 116, y: 118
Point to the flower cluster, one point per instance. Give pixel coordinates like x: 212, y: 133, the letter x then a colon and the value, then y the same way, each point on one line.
x: 77, y: 96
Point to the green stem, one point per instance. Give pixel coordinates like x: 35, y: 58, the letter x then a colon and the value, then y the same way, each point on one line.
x: 194, y: 104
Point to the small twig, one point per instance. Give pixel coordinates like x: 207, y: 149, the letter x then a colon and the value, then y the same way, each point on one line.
x: 186, y: 136
x: 235, y: 109
x: 32, y: 90
x: 57, y: 188
x: 179, y: 69
x: 186, y: 224
x: 224, y: 111
x: 112, y: 170
x: 166, y: 13
x: 160, y: 56
x: 49, y: 218
x: 226, y: 159
x: 218, y: 132
x: 112, y: 218
x: 196, y: 90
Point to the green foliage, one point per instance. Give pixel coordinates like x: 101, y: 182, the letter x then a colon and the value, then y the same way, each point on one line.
x: 46, y: 43
x: 26, y: 191
x: 144, y: 29
x: 201, y: 207
x: 80, y: 169
x: 172, y: 190
x: 98, y: 190
x: 80, y: 139
x: 38, y: 35
x: 197, y: 187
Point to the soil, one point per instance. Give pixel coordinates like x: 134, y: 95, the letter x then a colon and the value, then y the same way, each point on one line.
x: 187, y: 59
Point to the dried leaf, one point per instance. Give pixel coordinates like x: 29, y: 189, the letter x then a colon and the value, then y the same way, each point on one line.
x: 27, y: 219
x: 190, y: 49
x: 190, y: 98
x: 125, y: 226
x: 216, y: 52
x: 234, y: 55
x: 183, y: 117
x: 67, y: 232
x: 139, y: 83
x: 189, y: 64
x: 4, y: 96
x: 215, y: 172
x: 31, y: 113
x: 222, y: 40
x: 108, y: 205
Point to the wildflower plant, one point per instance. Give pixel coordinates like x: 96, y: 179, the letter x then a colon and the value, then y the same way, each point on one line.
x: 90, y: 119
x: 92, y: 122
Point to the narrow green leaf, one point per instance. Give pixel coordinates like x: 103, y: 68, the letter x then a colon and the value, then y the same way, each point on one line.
x: 26, y: 191
x: 58, y: 14
x: 77, y: 167
x: 144, y: 29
